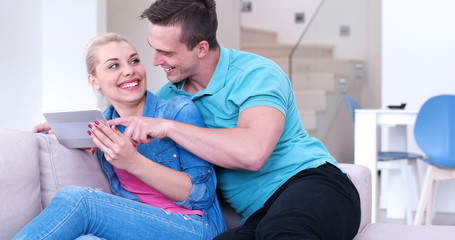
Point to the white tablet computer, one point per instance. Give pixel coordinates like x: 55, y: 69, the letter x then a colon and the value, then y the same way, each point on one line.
x: 70, y: 127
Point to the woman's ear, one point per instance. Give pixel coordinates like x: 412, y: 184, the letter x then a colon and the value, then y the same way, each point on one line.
x: 203, y: 48
x: 93, y: 82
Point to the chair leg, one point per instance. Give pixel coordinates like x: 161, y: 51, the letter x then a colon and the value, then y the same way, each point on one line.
x: 384, y: 183
x: 425, y: 195
x: 430, y: 204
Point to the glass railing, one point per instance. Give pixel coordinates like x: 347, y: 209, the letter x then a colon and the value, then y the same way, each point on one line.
x: 327, y: 60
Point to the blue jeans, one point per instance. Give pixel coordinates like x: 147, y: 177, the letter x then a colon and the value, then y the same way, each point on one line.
x: 77, y: 211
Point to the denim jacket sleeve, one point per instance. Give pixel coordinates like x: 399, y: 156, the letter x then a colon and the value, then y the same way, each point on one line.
x: 202, y: 173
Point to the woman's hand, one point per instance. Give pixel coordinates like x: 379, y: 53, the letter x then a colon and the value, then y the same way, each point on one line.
x: 119, y: 150
x: 142, y: 129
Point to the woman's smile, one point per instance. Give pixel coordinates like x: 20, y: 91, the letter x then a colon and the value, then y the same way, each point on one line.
x: 130, y: 85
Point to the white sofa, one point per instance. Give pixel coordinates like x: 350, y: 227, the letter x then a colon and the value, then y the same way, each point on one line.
x: 33, y: 167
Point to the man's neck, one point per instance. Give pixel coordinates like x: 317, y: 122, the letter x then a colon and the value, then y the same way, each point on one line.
x: 205, y: 72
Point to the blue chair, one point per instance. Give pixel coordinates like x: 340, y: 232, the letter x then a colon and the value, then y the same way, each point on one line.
x: 405, y: 162
x: 434, y: 132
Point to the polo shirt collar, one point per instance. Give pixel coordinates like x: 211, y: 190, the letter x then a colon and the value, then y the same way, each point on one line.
x: 218, y: 79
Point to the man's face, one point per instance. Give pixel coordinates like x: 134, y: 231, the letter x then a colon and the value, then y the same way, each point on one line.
x: 172, y: 55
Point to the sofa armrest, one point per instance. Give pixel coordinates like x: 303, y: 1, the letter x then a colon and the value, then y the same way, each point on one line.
x: 361, y: 177
x: 33, y: 167
x: 20, y: 193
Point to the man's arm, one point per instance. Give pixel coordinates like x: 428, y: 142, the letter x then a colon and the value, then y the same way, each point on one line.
x: 248, y: 146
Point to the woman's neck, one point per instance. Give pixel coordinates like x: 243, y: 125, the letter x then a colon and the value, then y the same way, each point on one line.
x: 130, y: 109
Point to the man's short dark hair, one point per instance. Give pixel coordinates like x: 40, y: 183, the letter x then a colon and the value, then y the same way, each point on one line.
x: 197, y: 19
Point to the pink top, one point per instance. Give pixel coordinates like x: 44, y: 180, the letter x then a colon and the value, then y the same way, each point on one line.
x: 148, y: 195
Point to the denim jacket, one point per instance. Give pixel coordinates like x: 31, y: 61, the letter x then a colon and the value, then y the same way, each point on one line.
x: 166, y: 152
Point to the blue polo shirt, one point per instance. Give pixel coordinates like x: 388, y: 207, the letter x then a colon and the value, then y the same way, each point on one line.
x: 242, y: 80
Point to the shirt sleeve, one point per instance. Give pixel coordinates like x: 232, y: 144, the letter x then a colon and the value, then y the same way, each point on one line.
x: 202, y: 173
x: 263, y: 85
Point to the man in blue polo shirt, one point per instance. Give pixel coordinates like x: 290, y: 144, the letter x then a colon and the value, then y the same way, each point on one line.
x: 284, y: 184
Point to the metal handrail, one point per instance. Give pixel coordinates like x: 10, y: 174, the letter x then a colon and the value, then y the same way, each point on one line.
x: 301, y: 37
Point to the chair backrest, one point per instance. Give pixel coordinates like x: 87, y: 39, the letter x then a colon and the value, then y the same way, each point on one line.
x: 434, y: 130
x: 351, y: 105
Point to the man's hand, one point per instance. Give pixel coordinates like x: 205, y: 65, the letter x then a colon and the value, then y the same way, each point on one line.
x: 141, y: 129
x: 44, y: 127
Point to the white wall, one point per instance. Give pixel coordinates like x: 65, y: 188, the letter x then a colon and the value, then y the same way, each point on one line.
x: 42, y: 44
x: 20, y: 64
x: 67, y: 26
x: 229, y: 20
x: 418, y: 57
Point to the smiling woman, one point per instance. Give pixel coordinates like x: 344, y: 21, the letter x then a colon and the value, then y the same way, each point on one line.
x: 172, y: 189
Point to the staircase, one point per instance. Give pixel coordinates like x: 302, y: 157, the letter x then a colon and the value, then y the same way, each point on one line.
x: 315, y: 74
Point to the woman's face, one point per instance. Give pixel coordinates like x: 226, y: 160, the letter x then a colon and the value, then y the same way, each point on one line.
x: 119, y: 74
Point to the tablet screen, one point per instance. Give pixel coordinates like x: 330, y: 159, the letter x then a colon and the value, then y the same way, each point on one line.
x: 70, y: 127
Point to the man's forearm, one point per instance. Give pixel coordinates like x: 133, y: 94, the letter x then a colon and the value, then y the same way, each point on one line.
x: 228, y: 148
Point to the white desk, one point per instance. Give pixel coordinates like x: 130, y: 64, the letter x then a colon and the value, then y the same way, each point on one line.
x: 365, y: 139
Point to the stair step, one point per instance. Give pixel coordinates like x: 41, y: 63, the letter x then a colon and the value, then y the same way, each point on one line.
x: 271, y: 50
x: 314, y: 81
x: 252, y: 35
x: 268, y: 50
x: 309, y: 119
x: 339, y: 67
x: 313, y: 51
x: 310, y: 100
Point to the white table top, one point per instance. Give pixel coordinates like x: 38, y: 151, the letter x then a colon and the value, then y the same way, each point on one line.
x: 385, y: 110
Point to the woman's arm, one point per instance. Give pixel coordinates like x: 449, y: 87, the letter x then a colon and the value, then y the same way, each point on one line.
x: 201, y: 172
x: 120, y: 151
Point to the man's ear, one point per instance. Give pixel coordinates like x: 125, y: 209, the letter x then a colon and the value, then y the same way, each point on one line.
x: 203, y: 48
x: 93, y: 82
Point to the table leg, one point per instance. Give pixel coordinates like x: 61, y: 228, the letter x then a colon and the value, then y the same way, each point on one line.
x: 365, y: 151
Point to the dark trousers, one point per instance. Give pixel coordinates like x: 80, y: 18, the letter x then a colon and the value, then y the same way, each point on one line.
x: 317, y: 203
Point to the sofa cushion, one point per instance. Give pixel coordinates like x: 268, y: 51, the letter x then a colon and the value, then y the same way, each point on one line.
x: 387, y: 231
x: 60, y: 166
x: 19, y: 181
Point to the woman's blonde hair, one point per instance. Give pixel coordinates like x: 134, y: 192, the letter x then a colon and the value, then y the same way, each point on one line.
x: 90, y: 50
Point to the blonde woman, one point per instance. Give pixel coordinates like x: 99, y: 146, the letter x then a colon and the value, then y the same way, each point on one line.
x: 161, y: 190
